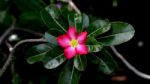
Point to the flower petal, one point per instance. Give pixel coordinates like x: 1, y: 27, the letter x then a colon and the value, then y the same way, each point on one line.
x: 72, y: 32
x: 81, y: 49
x: 63, y: 40
x: 82, y: 37
x: 70, y: 52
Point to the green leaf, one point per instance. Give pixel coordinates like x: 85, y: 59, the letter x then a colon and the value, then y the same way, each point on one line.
x: 71, y: 20
x: 98, y: 27
x: 121, y: 32
x: 2, y: 16
x: 16, y: 79
x: 5, y: 19
x: 37, y: 53
x: 51, y: 16
x: 65, y: 11
x: 28, y: 17
x: 54, y: 58
x: 85, y: 21
x: 93, y: 45
x: 36, y: 58
x: 38, y: 49
x: 47, y: 19
x: 79, y: 21
x: 80, y: 62
x: 95, y: 48
x: 51, y: 57
x: 115, y: 3
x: 69, y: 75
x: 75, y: 20
x: 51, y: 39
x: 106, y: 63
x: 55, y: 32
x: 91, y: 41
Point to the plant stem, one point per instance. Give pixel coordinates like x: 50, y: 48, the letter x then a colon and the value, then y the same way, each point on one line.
x: 72, y: 5
x: 129, y: 66
x: 9, y: 59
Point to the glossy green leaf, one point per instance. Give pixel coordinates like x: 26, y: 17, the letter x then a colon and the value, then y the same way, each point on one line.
x: 2, y: 16
x: 51, y: 16
x: 95, y: 48
x: 91, y: 41
x: 28, y: 17
x: 71, y: 20
x: 98, y: 27
x: 80, y: 62
x: 106, y: 63
x: 47, y: 19
x: 85, y: 21
x: 55, y: 32
x: 51, y: 39
x: 37, y: 53
x: 121, y: 32
x: 37, y: 49
x: 93, y: 45
x: 16, y: 79
x: 80, y: 21
x: 51, y: 57
x: 36, y: 58
x: 5, y: 18
x: 69, y: 75
x: 65, y: 11
x: 115, y: 3
x: 54, y: 58
x: 75, y: 20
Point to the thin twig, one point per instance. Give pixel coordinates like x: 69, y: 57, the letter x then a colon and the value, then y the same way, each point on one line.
x: 29, y: 31
x: 72, y: 5
x: 6, y: 64
x: 9, y: 46
x: 7, y: 32
x: 129, y: 66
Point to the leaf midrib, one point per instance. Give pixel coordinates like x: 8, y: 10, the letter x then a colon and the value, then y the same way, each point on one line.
x: 115, y: 34
x: 99, y: 29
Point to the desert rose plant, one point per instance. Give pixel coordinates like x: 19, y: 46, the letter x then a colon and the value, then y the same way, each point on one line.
x: 59, y: 39
x: 73, y: 39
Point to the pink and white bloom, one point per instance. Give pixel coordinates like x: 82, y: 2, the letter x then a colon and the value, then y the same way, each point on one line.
x: 73, y: 43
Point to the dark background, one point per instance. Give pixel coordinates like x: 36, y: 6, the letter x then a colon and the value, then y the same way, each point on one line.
x: 136, y: 51
x: 135, y: 12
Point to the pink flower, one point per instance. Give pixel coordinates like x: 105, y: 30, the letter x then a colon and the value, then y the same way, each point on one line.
x: 73, y: 43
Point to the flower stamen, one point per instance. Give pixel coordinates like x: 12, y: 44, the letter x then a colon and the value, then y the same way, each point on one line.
x: 74, y: 43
